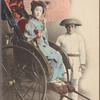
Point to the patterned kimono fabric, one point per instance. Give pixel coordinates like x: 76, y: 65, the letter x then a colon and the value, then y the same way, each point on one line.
x: 32, y: 27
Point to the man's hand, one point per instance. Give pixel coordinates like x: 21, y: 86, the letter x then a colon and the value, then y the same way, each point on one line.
x: 82, y: 68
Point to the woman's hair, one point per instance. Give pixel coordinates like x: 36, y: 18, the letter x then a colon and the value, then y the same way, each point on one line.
x: 34, y: 4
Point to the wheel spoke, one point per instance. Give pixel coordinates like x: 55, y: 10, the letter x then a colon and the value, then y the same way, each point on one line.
x: 28, y: 89
x: 3, y: 79
x: 39, y: 90
x: 46, y: 97
x: 17, y: 96
x: 24, y: 91
x: 12, y: 93
x: 3, y: 87
x: 17, y: 67
x: 34, y: 71
x: 5, y: 91
x: 27, y: 84
x: 27, y: 81
x: 52, y: 95
x: 34, y: 91
x: 23, y: 77
x: 8, y: 96
x: 7, y: 63
x: 5, y: 70
x: 22, y: 71
x: 30, y: 74
x: 19, y: 93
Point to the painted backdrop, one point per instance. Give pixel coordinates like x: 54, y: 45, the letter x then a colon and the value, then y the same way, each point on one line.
x: 87, y: 11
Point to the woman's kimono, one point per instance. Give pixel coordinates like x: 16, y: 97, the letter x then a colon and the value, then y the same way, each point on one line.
x: 32, y: 27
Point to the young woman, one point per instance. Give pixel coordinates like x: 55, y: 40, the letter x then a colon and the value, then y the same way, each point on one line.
x: 34, y: 30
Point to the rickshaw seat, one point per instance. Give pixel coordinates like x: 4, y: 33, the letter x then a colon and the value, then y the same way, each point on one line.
x: 21, y: 23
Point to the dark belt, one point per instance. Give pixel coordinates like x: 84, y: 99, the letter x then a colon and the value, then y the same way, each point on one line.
x: 74, y: 55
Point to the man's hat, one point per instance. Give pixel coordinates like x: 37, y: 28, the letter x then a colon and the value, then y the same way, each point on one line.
x: 70, y: 21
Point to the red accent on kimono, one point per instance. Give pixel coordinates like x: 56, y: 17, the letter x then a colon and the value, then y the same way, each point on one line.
x: 21, y: 23
x: 34, y: 18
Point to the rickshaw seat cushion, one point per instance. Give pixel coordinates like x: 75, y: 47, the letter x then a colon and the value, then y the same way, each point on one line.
x: 21, y: 23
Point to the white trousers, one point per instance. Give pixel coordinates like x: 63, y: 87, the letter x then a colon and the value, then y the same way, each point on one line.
x: 60, y: 83
x: 73, y: 95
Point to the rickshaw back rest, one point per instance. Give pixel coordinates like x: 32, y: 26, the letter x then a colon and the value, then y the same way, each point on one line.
x: 21, y: 23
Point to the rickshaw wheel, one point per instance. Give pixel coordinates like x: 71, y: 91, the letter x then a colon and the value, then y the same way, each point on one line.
x: 23, y: 76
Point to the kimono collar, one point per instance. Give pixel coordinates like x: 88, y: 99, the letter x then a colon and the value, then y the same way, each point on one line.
x: 35, y: 18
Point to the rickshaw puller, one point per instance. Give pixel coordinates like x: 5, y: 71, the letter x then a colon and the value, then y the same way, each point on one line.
x: 73, y: 45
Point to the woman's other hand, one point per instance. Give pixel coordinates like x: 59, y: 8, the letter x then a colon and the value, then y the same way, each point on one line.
x: 43, y: 25
x: 38, y: 35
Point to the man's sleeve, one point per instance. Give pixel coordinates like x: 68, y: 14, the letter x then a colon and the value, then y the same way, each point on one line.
x: 58, y: 42
x: 82, y: 50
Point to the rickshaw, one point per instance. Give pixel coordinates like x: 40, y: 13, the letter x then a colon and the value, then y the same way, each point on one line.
x: 24, y: 68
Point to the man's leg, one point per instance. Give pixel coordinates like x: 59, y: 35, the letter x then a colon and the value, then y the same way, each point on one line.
x: 74, y: 95
x: 65, y: 79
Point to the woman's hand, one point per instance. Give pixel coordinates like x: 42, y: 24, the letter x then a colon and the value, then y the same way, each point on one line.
x: 39, y: 35
x: 43, y: 21
x: 43, y: 25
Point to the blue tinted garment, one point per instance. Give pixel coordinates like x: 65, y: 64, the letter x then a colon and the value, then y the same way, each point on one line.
x: 54, y: 57
x: 73, y: 44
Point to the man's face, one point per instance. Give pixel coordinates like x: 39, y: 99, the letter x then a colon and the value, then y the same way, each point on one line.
x: 70, y: 28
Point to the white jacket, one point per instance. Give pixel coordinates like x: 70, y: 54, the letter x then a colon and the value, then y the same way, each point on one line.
x: 73, y: 44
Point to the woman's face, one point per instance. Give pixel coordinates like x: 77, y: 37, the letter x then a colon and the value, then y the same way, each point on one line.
x: 37, y: 12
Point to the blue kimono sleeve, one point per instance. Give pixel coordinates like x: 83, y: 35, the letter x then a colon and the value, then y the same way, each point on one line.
x: 29, y: 30
x: 46, y: 37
